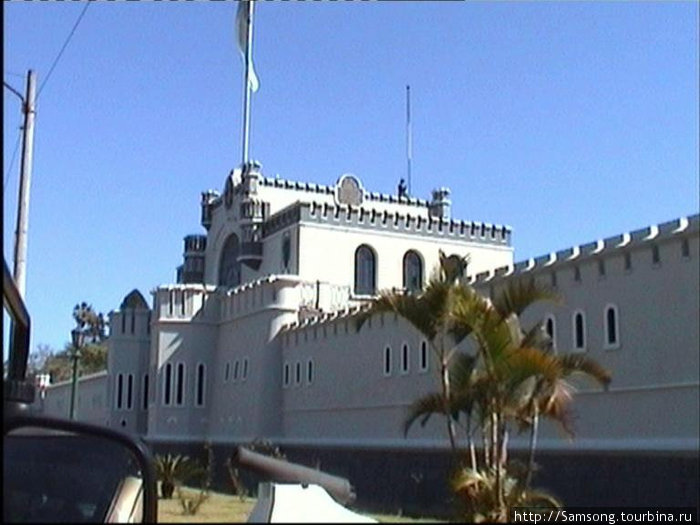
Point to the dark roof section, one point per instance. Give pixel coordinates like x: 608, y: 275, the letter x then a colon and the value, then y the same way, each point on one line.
x: 134, y: 299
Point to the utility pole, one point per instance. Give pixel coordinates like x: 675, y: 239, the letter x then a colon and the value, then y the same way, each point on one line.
x: 29, y: 110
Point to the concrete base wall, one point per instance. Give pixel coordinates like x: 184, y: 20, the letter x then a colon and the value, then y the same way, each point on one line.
x: 414, y: 482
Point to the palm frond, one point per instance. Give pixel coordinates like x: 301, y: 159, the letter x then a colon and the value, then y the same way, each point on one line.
x: 519, y: 294
x: 422, y: 409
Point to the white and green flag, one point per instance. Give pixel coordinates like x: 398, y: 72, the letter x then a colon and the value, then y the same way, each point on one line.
x: 244, y: 28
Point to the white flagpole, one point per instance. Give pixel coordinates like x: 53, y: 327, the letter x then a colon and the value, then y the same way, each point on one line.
x: 247, y: 87
x: 408, y: 135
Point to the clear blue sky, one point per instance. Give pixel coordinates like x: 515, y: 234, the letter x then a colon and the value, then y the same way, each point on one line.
x: 567, y: 121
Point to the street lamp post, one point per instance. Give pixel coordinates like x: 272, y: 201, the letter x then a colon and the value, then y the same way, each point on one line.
x: 77, y: 336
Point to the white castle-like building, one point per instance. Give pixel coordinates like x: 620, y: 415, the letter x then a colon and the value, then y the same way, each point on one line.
x: 256, y: 339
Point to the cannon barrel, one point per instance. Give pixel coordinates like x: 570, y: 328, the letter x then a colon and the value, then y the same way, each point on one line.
x: 284, y: 471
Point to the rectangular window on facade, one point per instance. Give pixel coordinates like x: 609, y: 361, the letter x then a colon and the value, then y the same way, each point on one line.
x: 129, y: 391
x: 655, y: 256
x: 148, y: 324
x: 133, y: 321
x: 227, y: 371
x: 180, y: 384
x: 200, y: 385
x: 144, y: 392
x: 579, y: 331
x: 577, y: 274
x: 235, y: 370
x: 297, y: 375
x: 244, y: 374
x: 119, y: 391
x: 554, y: 279
x: 628, y: 262
x: 123, y: 315
x: 183, y: 305
x: 601, y: 268
x: 167, y: 384
x: 285, y: 375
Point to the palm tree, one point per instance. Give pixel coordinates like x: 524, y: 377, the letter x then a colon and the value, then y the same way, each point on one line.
x: 430, y: 313
x: 512, y: 379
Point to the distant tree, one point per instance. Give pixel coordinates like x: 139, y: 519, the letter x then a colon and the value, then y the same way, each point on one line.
x: 91, y: 322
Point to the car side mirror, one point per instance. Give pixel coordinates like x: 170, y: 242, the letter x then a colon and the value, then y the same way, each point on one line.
x: 64, y: 471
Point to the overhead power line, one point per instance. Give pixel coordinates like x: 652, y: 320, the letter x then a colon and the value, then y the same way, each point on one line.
x: 63, y: 48
x: 12, y: 159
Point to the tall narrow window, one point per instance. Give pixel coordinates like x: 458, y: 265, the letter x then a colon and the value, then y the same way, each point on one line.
x: 404, y: 359
x: 577, y: 274
x: 612, y: 336
x: 148, y: 323
x: 285, y: 375
x: 412, y: 272
x: 200, y: 385
x: 554, y: 279
x: 685, y: 248
x: 655, y: 257
x: 227, y: 371
x: 628, y: 262
x: 235, y: 370
x: 180, y: 388
x: 133, y: 321
x: 129, y: 391
x: 182, y: 304
x: 423, y: 356
x: 579, y: 330
x: 365, y: 271
x: 550, y: 330
x: 387, y: 361
x: 244, y: 374
x: 167, y: 384
x: 119, y: 391
x: 601, y: 268
x: 144, y: 392
x: 123, y: 322
x: 309, y: 371
x: 297, y: 375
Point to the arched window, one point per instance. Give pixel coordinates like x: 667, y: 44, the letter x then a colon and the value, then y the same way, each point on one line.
x: 612, y: 336
x: 579, y: 330
x: 412, y: 271
x: 365, y: 271
x: 404, y: 358
x: 423, y: 356
x: 550, y: 328
x: 229, y: 267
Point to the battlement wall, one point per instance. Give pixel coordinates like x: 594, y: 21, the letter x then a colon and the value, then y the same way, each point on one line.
x: 644, y: 238
x: 359, y: 217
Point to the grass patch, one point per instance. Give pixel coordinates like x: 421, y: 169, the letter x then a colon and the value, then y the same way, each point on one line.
x: 226, y: 508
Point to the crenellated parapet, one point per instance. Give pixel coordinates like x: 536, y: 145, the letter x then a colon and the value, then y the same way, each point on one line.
x: 282, y: 292
x: 184, y: 302
x: 643, y: 238
x: 323, y: 189
x: 363, y: 218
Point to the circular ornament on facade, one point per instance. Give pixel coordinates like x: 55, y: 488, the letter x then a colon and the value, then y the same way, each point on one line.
x: 349, y: 190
